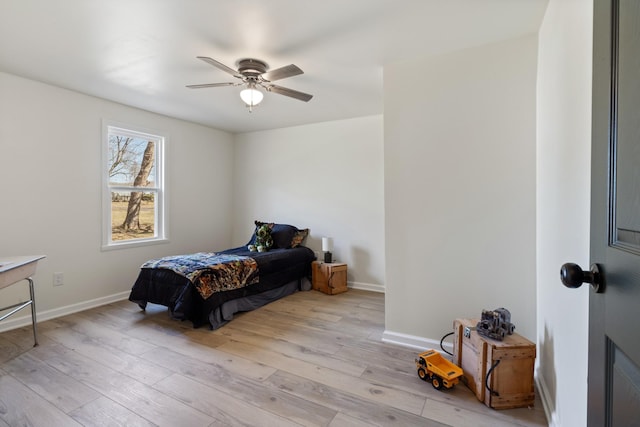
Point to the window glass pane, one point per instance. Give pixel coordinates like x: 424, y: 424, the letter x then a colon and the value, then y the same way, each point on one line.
x: 131, y: 161
x: 133, y: 215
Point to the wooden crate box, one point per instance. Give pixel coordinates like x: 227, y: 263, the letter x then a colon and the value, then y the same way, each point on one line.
x: 330, y: 278
x: 470, y: 352
x: 506, y: 367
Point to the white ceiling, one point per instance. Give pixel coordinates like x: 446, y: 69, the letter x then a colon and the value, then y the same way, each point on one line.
x: 143, y: 52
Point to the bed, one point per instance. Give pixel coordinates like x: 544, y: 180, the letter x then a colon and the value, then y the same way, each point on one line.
x: 209, y: 288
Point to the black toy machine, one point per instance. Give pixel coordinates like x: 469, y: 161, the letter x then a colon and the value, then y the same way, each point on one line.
x: 495, y: 324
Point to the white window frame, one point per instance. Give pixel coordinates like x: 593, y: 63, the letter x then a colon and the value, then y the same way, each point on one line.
x: 160, y: 225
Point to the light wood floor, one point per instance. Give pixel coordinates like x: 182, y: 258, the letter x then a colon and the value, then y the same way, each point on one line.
x: 309, y: 359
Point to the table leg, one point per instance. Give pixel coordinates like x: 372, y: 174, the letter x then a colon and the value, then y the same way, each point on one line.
x: 33, y: 311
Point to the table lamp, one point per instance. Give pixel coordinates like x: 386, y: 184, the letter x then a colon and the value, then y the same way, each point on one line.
x: 327, y: 246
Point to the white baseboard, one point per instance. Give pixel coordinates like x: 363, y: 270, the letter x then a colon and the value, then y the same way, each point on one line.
x: 547, y: 403
x: 366, y: 287
x: 412, y: 341
x: 25, y: 320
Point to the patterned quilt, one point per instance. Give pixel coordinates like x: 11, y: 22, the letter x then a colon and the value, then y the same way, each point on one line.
x: 211, y: 272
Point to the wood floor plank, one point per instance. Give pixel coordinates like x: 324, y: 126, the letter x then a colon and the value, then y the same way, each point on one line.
x: 343, y: 331
x: 363, y: 409
x: 104, y: 412
x: 351, y: 319
x: 313, y: 334
x: 351, y: 384
x: 204, y: 336
x: 293, y: 351
x: 400, y: 363
x: 10, y: 348
x: 109, y: 337
x: 385, y: 351
x: 159, y: 334
x: 458, y: 396
x: 184, y: 345
x: 109, y: 356
x: 138, y: 397
x: 343, y: 420
x: 345, y: 306
x: 457, y: 416
x: 303, y: 310
x: 327, y: 343
x: 220, y: 405
x: 120, y: 315
x: 20, y: 406
x: 270, y: 399
x: 61, y: 390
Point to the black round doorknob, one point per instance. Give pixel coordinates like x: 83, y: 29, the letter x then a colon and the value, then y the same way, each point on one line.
x: 573, y: 276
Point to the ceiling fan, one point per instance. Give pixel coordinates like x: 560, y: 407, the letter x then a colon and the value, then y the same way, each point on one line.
x: 254, y: 73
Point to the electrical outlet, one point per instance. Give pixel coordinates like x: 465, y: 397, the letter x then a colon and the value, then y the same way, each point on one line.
x: 58, y: 279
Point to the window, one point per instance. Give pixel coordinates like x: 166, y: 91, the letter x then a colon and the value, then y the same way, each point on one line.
x: 133, y: 190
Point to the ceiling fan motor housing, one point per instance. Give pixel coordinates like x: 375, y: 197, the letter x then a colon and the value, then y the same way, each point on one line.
x: 251, y: 67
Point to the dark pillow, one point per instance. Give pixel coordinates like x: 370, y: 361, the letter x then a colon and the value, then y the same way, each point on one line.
x: 284, y: 236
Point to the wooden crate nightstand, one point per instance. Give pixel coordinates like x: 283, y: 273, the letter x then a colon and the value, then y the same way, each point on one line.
x: 330, y: 278
x: 500, y: 373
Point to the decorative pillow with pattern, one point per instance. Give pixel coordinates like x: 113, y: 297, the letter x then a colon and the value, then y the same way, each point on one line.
x: 261, y: 240
x: 299, y: 237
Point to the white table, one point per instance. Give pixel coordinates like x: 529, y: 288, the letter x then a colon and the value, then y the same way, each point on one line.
x: 14, y: 270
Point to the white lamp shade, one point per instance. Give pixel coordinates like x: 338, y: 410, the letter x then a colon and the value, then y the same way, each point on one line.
x: 251, y: 96
x: 327, y: 244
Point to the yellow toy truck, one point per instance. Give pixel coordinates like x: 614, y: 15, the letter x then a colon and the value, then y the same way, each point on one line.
x: 435, y: 368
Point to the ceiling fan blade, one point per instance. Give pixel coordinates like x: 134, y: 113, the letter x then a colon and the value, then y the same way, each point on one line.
x: 281, y: 73
x: 211, y: 85
x: 290, y: 92
x: 220, y: 66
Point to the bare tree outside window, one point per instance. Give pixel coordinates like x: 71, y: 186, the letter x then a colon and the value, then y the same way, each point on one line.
x: 132, y: 220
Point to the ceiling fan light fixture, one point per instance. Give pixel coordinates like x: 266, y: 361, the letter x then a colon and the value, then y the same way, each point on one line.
x: 251, y: 96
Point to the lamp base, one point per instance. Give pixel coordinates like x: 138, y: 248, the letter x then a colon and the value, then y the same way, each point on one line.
x: 327, y: 257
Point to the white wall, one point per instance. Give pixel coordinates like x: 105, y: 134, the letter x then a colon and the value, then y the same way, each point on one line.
x: 327, y: 177
x: 563, y: 171
x: 459, y: 167
x: 50, y: 178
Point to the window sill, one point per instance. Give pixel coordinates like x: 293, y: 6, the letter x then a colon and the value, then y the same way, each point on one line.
x: 133, y: 244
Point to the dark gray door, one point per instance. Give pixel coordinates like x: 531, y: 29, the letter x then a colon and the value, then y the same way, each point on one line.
x: 614, y: 335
